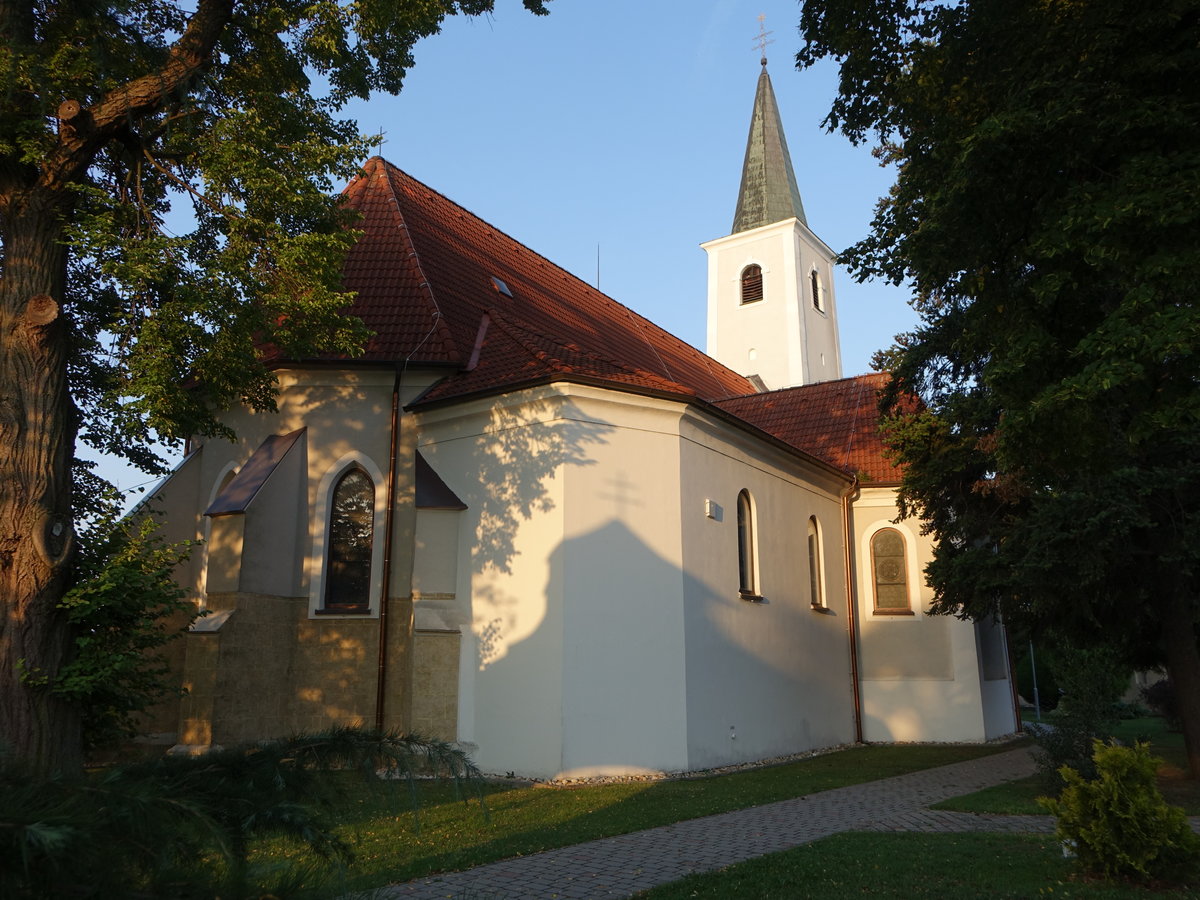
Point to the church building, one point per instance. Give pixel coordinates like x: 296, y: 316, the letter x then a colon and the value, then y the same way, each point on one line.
x: 531, y: 521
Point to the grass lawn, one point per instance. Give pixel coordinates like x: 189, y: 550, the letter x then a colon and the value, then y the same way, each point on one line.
x: 1017, y: 797
x: 859, y: 864
x: 393, y: 844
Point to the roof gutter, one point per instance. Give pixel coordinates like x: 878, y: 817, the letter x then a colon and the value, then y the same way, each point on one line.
x: 674, y: 396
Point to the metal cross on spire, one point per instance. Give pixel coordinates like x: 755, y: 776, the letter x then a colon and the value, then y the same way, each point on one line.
x: 760, y: 39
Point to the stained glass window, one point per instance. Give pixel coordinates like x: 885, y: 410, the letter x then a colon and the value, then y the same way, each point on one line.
x: 890, y: 570
x: 351, y: 537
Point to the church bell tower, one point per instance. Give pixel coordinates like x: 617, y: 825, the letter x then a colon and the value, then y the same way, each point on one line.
x: 771, y: 310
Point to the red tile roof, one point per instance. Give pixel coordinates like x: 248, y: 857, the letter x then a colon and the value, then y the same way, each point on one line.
x: 837, y: 421
x: 423, y: 272
x: 424, y: 275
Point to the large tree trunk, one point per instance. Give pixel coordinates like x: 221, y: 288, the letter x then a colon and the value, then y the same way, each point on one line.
x: 37, y: 432
x: 1183, y: 665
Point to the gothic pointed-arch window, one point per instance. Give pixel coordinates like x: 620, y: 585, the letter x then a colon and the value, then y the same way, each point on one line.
x: 889, y: 569
x: 747, y: 555
x: 752, y: 284
x: 351, y: 538
x: 816, y: 585
x: 818, y: 292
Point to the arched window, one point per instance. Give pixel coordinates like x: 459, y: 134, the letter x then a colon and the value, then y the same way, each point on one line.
x: 747, y: 564
x: 817, y: 291
x: 816, y: 592
x: 752, y: 287
x: 351, y: 537
x: 890, y: 572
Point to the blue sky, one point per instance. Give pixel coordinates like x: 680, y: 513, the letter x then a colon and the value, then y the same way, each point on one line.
x: 622, y: 123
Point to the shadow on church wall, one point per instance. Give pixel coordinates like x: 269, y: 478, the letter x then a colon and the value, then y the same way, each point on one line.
x: 517, y: 462
x: 643, y: 667
x: 508, y: 464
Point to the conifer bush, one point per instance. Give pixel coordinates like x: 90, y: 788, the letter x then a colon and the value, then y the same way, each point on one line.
x: 1118, y: 824
x: 1092, y: 681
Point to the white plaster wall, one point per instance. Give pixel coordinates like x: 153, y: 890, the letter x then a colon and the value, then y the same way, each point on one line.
x: 782, y: 338
x: 435, y: 563
x: 277, y: 528
x: 771, y: 678
x: 943, y: 700
x: 504, y: 457
x: 604, y: 630
x: 347, y: 413
x: 623, y: 681
x: 998, y: 714
x: 344, y: 411
x: 176, y: 502
x: 823, y: 359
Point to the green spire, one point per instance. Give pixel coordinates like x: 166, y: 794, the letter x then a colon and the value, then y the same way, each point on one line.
x: 768, y: 193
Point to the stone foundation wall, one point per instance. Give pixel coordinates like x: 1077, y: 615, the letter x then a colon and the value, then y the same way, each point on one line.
x: 271, y: 670
x: 435, y: 684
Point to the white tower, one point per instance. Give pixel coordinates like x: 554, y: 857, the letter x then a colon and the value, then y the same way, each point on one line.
x: 771, y: 309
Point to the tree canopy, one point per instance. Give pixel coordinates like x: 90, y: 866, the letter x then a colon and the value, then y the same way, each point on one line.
x: 1048, y: 160
x: 114, y: 329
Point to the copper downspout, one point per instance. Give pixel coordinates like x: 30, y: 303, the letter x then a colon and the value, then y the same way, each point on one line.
x: 388, y: 516
x: 851, y: 609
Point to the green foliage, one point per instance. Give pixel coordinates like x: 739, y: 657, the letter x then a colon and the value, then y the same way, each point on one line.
x: 180, y: 827
x: 194, y: 186
x: 1047, y: 153
x: 1092, y: 682
x: 1047, y: 684
x: 168, y: 232
x: 1020, y: 797
x: 123, y: 610
x: 1118, y: 824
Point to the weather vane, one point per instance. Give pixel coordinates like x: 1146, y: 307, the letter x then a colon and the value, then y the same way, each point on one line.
x: 760, y: 39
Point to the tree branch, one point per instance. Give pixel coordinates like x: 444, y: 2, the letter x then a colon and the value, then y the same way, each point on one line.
x: 84, y: 131
x: 183, y: 185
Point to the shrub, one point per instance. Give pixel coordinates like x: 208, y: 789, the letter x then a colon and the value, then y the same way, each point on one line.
x: 181, y: 827
x: 1119, y: 825
x: 1127, y: 711
x: 124, y: 610
x: 1092, y: 682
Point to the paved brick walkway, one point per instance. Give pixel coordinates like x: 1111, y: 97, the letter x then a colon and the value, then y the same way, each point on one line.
x: 623, y: 865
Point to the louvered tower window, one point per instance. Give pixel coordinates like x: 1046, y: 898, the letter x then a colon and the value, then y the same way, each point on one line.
x: 752, y: 287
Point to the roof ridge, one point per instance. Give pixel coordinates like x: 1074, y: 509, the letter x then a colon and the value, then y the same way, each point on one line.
x: 514, y: 331
x: 439, y: 321
x: 850, y: 432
